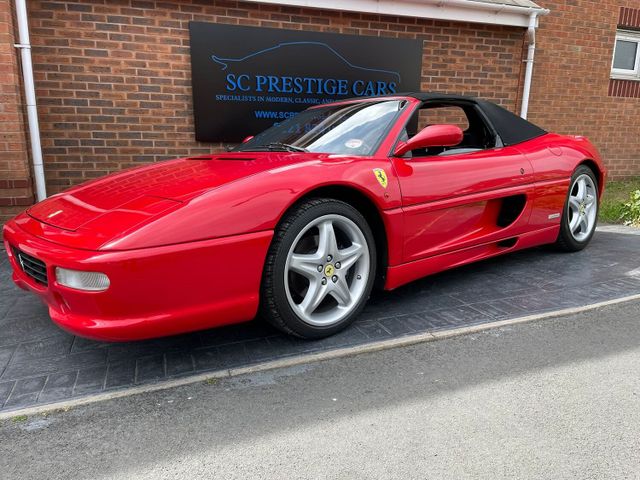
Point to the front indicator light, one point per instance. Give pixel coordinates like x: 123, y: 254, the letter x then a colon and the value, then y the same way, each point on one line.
x: 90, y: 281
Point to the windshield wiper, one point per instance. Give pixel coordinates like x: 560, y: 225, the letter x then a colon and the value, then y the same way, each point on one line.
x: 287, y: 146
x: 274, y: 146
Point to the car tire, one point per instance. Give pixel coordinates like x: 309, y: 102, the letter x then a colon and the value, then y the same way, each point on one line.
x: 319, y: 270
x: 580, y: 213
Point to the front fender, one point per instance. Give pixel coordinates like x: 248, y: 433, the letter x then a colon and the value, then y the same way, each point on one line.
x: 257, y: 203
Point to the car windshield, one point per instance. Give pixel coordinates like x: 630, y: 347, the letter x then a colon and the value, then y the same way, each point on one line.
x: 353, y: 129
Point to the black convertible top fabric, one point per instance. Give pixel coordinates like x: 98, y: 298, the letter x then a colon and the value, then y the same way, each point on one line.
x: 511, y: 128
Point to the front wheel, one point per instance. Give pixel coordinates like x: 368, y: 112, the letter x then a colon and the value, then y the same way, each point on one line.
x: 580, y: 214
x: 319, y: 270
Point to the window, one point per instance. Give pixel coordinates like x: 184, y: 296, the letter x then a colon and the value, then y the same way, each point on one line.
x: 477, y: 134
x: 626, y: 56
x: 349, y: 129
x: 451, y: 114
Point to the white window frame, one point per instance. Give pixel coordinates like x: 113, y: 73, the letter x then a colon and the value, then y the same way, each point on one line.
x: 621, y: 72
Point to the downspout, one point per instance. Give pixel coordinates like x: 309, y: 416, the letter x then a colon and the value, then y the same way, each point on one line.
x: 528, y: 75
x: 30, y: 97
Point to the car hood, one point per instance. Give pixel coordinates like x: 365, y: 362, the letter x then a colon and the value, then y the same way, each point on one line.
x: 150, y: 189
x: 95, y: 212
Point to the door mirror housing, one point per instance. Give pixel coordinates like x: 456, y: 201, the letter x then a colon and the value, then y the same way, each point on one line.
x: 431, y: 136
x: 247, y: 139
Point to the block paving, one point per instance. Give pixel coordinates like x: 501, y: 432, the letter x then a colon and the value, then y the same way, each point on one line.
x: 41, y: 364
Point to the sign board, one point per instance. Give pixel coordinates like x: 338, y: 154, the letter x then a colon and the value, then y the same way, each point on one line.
x: 245, y: 79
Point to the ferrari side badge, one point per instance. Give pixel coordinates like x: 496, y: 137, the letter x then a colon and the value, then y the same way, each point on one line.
x: 381, y: 176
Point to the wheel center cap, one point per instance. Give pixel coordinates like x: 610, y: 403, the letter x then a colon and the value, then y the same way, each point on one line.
x: 582, y: 209
x: 329, y: 270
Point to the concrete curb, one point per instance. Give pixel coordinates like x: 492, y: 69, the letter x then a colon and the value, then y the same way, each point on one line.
x: 309, y: 358
x: 622, y: 229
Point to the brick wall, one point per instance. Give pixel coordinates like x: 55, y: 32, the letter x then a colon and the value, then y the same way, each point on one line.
x: 15, y: 183
x: 571, y: 91
x: 629, y: 18
x: 113, y: 77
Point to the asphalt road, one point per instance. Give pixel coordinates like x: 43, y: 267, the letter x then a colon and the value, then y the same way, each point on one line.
x: 558, y: 398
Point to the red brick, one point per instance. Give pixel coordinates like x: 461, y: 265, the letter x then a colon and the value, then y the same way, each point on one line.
x: 15, y: 182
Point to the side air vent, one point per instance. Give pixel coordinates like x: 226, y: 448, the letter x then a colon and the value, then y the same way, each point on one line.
x: 511, y: 209
x: 508, y: 243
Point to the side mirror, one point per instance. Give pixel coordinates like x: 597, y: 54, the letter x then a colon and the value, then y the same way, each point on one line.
x: 432, y: 136
x: 247, y: 139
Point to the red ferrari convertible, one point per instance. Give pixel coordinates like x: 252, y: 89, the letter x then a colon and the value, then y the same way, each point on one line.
x: 301, y: 221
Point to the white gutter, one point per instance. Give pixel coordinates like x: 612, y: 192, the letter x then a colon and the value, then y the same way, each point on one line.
x: 488, y: 6
x: 30, y: 97
x: 528, y: 75
x: 475, y: 11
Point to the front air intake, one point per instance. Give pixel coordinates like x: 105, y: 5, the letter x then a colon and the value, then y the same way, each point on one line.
x: 34, y: 268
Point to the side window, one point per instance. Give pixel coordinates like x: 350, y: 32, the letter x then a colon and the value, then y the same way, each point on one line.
x: 477, y: 135
x: 452, y: 115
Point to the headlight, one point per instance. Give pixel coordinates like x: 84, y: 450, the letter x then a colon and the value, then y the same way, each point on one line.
x: 92, y: 281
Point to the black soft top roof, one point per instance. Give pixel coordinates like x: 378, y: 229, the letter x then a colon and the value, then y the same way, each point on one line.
x: 511, y: 128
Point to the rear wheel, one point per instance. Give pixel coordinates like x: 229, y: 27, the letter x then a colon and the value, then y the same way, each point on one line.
x: 319, y: 270
x: 580, y: 214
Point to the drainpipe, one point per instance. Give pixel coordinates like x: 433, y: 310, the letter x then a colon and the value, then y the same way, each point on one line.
x: 531, y: 32
x: 30, y: 96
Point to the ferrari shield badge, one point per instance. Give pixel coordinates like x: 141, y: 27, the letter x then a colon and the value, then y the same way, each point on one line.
x: 381, y: 176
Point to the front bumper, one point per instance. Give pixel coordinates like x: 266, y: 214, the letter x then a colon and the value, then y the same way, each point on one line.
x: 154, y: 291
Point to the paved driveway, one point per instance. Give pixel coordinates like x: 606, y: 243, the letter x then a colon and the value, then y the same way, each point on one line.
x: 556, y: 400
x: 40, y: 364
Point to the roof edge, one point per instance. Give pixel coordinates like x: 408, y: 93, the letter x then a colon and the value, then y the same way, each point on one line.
x: 473, y: 11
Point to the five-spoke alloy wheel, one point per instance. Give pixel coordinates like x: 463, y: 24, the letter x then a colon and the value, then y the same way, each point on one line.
x: 580, y: 214
x: 320, y: 269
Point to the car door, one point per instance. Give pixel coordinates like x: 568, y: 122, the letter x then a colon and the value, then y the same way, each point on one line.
x: 463, y: 197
